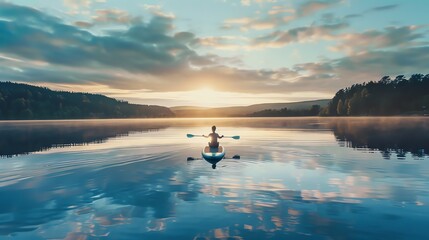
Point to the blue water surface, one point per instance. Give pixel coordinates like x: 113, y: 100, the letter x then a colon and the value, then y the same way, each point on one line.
x: 298, y: 178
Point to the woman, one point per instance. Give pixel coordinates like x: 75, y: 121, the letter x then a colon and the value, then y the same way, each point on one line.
x: 213, y: 138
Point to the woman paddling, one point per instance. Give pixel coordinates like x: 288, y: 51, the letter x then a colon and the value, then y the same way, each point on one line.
x: 213, y: 138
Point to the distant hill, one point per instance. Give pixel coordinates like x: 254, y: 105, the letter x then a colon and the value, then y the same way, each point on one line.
x: 239, y: 111
x: 22, y: 101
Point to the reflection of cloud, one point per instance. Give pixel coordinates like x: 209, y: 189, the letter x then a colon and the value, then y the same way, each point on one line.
x: 403, y: 194
x: 355, y: 188
x: 157, y: 225
x: 51, y: 193
x: 246, y: 198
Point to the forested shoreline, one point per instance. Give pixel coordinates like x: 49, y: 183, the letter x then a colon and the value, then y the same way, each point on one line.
x: 285, y: 112
x: 387, y: 97
x: 25, y: 102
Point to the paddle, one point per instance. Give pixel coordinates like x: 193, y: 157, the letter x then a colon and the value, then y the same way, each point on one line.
x: 193, y: 159
x: 193, y: 135
x: 233, y: 137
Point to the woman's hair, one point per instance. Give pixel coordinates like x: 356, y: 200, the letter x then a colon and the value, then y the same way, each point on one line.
x: 214, y: 128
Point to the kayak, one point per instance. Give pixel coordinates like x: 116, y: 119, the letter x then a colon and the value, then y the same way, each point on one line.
x: 213, y: 154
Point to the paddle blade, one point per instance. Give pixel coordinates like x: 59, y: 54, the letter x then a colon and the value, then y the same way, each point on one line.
x: 236, y: 137
x: 189, y: 135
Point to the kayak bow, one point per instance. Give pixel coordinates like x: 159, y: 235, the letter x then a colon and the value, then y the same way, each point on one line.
x: 213, y: 154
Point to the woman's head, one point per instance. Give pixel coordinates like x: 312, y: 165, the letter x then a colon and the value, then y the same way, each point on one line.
x: 214, y: 128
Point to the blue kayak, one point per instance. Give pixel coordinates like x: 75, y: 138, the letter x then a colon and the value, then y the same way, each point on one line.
x: 213, y: 154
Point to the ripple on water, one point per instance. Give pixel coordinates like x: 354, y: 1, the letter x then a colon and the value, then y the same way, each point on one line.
x: 318, y: 181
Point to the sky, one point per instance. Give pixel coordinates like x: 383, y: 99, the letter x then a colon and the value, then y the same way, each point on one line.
x: 211, y: 52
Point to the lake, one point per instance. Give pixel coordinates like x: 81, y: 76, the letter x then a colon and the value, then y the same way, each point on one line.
x: 298, y: 178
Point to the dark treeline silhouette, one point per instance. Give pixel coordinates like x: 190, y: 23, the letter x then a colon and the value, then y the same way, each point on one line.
x: 284, y: 112
x: 22, y: 101
x: 385, y: 97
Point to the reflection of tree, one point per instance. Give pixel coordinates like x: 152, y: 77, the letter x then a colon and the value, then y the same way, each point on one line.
x: 389, y: 136
x: 26, y: 137
x: 21, y: 138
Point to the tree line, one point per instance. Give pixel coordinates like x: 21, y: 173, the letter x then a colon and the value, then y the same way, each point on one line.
x: 399, y: 96
x: 285, y: 112
x: 26, y: 102
x: 386, y: 97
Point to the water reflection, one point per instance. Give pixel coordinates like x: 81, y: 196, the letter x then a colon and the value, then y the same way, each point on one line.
x: 388, y: 135
x: 23, y: 137
x: 297, y: 178
x: 397, y: 136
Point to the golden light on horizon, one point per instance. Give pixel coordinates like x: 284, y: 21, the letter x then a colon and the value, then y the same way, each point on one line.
x: 205, y: 96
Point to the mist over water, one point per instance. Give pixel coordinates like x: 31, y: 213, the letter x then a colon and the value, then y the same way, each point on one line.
x: 298, y: 178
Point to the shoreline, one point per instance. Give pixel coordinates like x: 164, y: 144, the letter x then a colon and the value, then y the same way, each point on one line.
x: 184, y: 118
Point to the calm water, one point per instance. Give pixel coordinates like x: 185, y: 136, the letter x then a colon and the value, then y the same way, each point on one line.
x: 298, y: 178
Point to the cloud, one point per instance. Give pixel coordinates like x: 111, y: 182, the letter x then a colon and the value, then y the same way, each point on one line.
x: 146, y: 55
x: 375, y: 39
x: 405, y: 61
x: 59, y: 75
x: 25, y: 15
x: 259, y: 23
x: 300, y: 34
x: 245, y: 2
x: 222, y: 42
x: 371, y: 65
x: 158, y: 11
x: 278, y: 15
x: 314, y: 6
x: 371, y: 10
x: 280, y: 9
x: 385, y: 7
x: 80, y: 6
x: 83, y: 24
x: 76, y: 4
x: 249, y: 2
x: 150, y: 55
x: 108, y: 16
x: 144, y: 47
